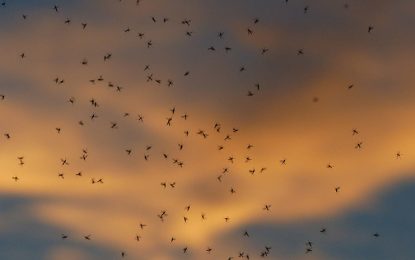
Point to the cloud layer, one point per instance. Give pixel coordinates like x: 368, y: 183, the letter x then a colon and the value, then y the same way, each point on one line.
x: 303, y: 112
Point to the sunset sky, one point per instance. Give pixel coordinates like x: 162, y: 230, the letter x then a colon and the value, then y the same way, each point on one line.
x: 278, y: 122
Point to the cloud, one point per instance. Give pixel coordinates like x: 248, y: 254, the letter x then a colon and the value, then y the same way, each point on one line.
x: 281, y: 121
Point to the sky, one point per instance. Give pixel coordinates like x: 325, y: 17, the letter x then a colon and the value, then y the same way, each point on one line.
x: 248, y: 127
